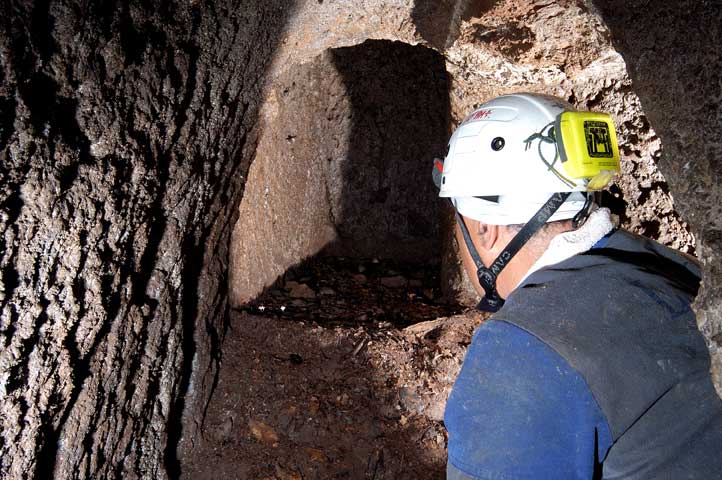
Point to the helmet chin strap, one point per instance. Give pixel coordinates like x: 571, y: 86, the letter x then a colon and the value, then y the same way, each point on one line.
x: 492, y: 301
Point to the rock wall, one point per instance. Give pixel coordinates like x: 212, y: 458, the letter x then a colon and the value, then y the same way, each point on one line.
x: 123, y: 129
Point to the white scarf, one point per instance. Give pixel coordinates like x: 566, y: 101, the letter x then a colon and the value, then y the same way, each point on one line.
x: 567, y: 244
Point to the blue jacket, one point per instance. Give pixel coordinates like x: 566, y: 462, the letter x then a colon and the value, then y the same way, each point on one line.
x: 594, y: 368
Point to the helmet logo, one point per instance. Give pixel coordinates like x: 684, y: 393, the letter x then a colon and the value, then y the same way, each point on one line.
x: 480, y: 115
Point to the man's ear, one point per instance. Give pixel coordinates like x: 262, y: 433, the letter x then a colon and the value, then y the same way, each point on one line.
x: 488, y: 235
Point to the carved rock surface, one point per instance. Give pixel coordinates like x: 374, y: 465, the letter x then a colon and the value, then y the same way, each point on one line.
x: 122, y: 137
x: 126, y: 137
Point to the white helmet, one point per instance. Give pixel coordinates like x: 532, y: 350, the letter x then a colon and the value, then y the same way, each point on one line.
x: 505, y: 151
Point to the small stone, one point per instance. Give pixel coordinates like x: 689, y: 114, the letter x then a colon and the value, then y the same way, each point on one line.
x: 300, y: 290
x: 403, y: 420
x: 327, y: 291
x: 428, y: 293
x: 263, y: 433
x: 315, y: 454
x: 313, y: 405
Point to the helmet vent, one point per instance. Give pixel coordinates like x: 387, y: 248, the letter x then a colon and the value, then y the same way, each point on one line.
x: 497, y: 144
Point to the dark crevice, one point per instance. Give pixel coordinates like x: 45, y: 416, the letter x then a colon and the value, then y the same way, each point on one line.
x: 88, y: 439
x: 39, y: 94
x: 613, y: 199
x: 192, y: 269
x: 18, y: 373
x: 42, y: 26
x: 10, y: 330
x: 149, y: 258
x: 651, y: 228
x: 13, y: 204
x: 49, y: 112
x: 193, y: 54
x: 143, y: 273
x: 11, y: 280
x: 646, y: 193
x: 216, y: 355
x: 132, y: 41
x: 7, y: 119
x: 67, y: 123
x: 122, y: 174
x: 189, y: 309
x: 78, y: 289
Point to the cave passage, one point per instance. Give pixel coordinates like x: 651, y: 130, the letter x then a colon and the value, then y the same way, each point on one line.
x: 137, y: 138
x: 336, y: 250
x: 339, y: 214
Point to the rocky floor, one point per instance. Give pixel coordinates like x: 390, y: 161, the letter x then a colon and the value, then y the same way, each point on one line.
x: 351, y: 291
x: 340, y: 371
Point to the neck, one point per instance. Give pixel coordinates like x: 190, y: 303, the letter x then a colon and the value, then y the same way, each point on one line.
x: 524, y: 261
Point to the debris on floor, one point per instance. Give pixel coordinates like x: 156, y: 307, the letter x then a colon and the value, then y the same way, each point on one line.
x: 349, y: 380
x: 351, y: 291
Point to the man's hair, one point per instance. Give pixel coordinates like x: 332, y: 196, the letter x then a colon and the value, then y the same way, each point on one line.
x: 543, y: 232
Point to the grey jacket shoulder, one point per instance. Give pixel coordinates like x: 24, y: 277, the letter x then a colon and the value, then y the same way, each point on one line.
x: 621, y: 316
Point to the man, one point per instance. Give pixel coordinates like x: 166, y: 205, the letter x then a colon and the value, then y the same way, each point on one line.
x: 592, y: 365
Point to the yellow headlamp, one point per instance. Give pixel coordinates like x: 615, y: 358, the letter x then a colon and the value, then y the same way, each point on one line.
x: 587, y: 145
